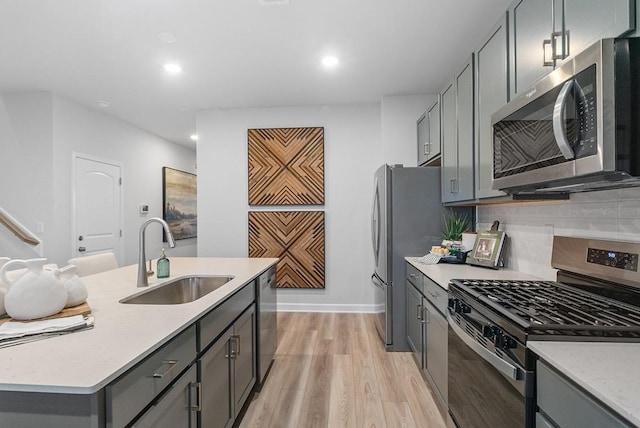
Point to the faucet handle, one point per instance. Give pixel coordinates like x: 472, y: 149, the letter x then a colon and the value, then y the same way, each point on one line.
x: 150, y: 272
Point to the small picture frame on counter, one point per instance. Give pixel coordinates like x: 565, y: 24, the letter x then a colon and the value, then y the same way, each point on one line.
x: 488, y: 249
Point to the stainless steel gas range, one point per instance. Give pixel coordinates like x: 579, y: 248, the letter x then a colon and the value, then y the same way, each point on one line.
x: 491, y: 372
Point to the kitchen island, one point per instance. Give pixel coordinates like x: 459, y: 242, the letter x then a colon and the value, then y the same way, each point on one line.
x: 62, y: 373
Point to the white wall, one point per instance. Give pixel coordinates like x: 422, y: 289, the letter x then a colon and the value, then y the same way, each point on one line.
x: 353, y: 151
x: 400, y: 114
x: 68, y: 127
x: 26, y: 188
x: 610, y: 214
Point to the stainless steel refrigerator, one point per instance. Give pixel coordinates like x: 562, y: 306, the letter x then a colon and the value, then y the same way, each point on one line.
x: 406, y: 220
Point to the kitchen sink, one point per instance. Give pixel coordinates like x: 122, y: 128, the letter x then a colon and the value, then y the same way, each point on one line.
x: 180, y: 290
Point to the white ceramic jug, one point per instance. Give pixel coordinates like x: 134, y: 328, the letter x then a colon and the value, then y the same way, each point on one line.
x: 76, y: 290
x: 35, y: 294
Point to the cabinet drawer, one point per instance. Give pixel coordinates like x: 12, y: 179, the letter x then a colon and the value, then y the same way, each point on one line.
x: 414, y: 276
x: 216, y: 321
x: 128, y: 395
x: 567, y: 405
x: 436, y: 295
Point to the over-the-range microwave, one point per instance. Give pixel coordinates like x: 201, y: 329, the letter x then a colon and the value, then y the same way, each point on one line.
x: 576, y: 129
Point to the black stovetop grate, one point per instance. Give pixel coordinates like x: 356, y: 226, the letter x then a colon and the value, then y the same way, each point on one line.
x: 550, y: 306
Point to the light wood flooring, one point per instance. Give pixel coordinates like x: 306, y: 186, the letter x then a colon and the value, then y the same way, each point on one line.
x: 331, y: 370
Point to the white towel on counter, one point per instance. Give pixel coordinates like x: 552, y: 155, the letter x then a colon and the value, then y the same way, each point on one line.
x: 14, y: 332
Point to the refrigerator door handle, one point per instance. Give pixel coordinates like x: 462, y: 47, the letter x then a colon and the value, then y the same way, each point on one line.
x: 375, y: 224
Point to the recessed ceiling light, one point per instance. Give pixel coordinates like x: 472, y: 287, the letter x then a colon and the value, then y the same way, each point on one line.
x: 194, y: 137
x: 172, y: 68
x: 330, y: 61
x: 167, y: 37
x: 103, y: 103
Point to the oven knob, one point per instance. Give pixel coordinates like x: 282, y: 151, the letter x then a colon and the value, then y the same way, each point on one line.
x: 503, y: 342
x: 489, y: 331
x: 461, y: 308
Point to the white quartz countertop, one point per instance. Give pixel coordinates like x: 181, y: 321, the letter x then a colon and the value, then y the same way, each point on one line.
x: 608, y: 371
x: 124, y: 334
x: 442, y: 273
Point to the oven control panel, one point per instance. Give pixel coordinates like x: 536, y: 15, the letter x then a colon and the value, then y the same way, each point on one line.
x: 615, y: 259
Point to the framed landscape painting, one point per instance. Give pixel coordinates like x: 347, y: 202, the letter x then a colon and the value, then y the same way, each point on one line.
x: 180, y: 202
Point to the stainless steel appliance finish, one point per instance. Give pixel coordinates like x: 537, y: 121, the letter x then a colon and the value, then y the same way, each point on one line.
x: 267, y: 321
x: 577, y: 128
x: 596, y: 298
x: 406, y: 220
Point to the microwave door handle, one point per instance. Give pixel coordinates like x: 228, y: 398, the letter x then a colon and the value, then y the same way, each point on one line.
x: 558, y: 116
x: 509, y: 370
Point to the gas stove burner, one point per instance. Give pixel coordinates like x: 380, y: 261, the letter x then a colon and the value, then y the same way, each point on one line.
x: 548, y: 307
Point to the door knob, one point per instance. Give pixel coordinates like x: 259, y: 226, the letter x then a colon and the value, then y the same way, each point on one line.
x: 80, y: 238
x: 82, y: 249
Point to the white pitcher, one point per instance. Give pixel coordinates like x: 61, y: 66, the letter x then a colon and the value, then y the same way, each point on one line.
x: 76, y: 290
x: 35, y: 294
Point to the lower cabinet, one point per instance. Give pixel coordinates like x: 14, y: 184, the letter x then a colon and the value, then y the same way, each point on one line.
x: 177, y: 407
x: 415, y: 327
x: 228, y: 372
x: 427, y: 328
x: 565, y: 405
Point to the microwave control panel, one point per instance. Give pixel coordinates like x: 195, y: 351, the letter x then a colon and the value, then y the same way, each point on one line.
x: 586, y: 112
x: 615, y: 259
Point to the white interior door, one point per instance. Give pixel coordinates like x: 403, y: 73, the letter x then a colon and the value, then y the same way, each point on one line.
x: 97, y: 221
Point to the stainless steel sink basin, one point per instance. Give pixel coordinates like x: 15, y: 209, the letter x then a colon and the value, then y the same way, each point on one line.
x: 181, y: 290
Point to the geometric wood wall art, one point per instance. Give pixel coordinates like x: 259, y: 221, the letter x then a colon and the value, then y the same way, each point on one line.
x: 297, y: 238
x: 286, y: 166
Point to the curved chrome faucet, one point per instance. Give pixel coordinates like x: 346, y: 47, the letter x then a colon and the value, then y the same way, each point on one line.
x: 142, y: 271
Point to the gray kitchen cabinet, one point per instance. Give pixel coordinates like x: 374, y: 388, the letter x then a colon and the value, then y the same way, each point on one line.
x: 423, y: 139
x: 415, y: 328
x: 429, y: 135
x: 449, y: 169
x: 492, y: 89
x: 433, y: 117
x: 127, y: 396
x: 546, y: 31
x: 427, y: 329
x: 563, y: 404
x: 457, y: 137
x: 177, y: 407
x: 435, y: 303
x: 228, y: 372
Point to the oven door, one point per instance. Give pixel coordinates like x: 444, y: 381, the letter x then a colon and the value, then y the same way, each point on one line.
x: 487, y: 387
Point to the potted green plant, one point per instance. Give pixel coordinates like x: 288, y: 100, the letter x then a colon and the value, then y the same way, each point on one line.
x: 454, y: 225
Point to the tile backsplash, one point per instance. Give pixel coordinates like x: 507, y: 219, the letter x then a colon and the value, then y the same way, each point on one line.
x: 530, y: 226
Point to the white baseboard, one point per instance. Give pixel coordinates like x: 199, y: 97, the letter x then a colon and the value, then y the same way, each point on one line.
x: 322, y: 307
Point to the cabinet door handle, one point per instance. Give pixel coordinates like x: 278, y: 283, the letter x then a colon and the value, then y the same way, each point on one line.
x: 198, y: 406
x: 550, y: 62
x: 427, y: 316
x: 168, y: 366
x: 232, y: 353
x: 237, y: 340
x: 425, y: 148
x: 419, y: 312
x: 554, y: 46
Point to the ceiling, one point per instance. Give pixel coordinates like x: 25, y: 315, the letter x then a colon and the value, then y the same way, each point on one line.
x: 234, y: 53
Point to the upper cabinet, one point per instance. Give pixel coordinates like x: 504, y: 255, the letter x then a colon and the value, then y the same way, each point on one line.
x: 457, y: 110
x: 429, y: 135
x: 546, y: 31
x: 423, y: 139
x: 492, y: 88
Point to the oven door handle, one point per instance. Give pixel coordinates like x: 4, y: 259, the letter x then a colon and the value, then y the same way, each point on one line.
x: 509, y: 370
